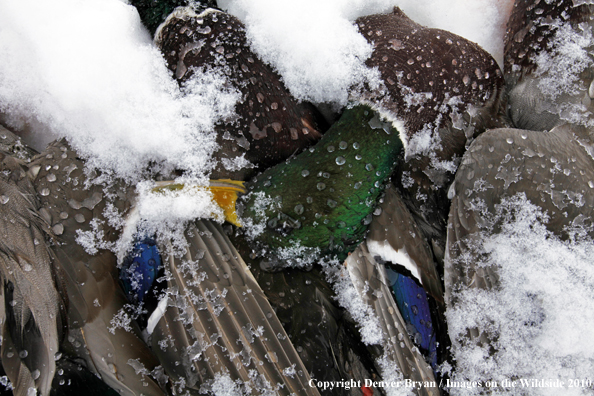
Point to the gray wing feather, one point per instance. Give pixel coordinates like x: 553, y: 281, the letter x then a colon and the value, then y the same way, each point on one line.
x: 31, y: 304
x: 88, y: 280
x: 219, y: 321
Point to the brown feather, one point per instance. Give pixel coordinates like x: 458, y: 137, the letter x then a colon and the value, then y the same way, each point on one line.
x: 271, y: 125
x: 531, y: 31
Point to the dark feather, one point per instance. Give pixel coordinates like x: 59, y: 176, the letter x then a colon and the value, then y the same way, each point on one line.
x: 371, y: 282
x: 271, y: 125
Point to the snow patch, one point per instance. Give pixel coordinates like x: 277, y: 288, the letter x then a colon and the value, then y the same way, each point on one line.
x: 539, y: 319
x: 88, y: 70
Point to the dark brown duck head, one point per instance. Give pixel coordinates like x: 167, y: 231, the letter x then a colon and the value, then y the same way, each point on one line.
x: 270, y: 125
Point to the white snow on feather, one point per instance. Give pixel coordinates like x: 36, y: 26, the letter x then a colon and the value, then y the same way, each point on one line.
x: 539, y: 318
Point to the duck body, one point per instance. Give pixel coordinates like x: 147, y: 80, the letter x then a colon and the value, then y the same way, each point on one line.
x: 518, y: 163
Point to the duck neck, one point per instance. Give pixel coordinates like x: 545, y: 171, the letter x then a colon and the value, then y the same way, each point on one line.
x: 325, y: 196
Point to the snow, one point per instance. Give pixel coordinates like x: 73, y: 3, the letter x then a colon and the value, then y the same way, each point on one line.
x: 540, y: 319
x: 348, y: 297
x: 87, y: 70
x: 319, y: 53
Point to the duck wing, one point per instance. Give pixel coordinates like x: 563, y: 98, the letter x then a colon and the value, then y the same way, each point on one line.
x: 394, y: 237
x: 30, y: 304
x: 370, y: 279
x: 216, y: 321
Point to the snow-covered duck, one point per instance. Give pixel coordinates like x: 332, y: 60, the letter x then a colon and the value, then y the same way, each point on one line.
x: 546, y: 162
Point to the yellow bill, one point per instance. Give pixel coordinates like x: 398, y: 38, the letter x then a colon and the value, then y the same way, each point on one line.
x: 224, y: 193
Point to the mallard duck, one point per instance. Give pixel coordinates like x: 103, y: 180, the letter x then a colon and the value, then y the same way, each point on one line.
x: 550, y: 167
x: 265, y: 128
x: 220, y: 324
x: 88, y: 279
x: 341, y: 179
x: 504, y: 162
x: 360, y: 150
x: 405, y: 319
x: 443, y: 91
x: 98, y: 323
